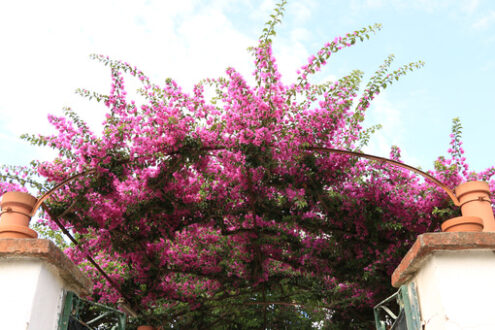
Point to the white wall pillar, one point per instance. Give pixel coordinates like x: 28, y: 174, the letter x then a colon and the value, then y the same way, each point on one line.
x: 34, y: 275
x: 454, y: 276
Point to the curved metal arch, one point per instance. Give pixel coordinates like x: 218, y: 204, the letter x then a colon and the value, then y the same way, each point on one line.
x: 393, y: 162
x: 440, y: 184
x: 49, y: 192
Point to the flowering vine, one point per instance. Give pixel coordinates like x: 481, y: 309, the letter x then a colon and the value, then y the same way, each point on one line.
x: 198, y: 207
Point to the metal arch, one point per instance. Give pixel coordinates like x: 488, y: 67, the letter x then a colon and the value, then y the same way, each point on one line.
x: 440, y: 184
x: 51, y: 191
x: 393, y: 162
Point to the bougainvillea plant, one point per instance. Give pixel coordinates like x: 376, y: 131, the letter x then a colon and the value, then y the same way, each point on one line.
x: 226, y: 213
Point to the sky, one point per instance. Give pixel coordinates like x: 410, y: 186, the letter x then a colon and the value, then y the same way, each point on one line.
x: 45, y: 48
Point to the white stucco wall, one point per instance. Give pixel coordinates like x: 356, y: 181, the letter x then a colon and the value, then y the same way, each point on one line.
x: 456, y: 290
x: 30, y: 295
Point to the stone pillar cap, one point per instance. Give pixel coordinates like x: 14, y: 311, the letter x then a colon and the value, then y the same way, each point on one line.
x: 47, y: 252
x: 427, y: 244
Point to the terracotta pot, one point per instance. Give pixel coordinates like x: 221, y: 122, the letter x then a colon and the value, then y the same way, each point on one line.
x: 16, y: 214
x: 459, y: 224
x: 145, y: 327
x: 474, y: 197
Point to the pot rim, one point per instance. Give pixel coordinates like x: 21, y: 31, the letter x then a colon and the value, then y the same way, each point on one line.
x: 23, y: 230
x: 462, y: 220
x: 471, y: 187
x: 18, y: 197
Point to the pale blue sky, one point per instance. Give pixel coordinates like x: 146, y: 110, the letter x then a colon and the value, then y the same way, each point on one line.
x: 45, y: 48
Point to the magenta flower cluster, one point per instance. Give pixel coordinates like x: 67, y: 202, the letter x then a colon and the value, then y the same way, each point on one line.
x: 195, y: 203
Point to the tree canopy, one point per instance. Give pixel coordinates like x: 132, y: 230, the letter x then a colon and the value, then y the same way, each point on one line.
x: 228, y: 212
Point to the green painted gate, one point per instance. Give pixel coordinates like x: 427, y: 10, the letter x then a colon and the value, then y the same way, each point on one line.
x: 82, y: 314
x: 400, y: 311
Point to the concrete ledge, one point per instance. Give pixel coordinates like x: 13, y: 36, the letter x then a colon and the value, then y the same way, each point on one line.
x: 46, y: 251
x: 427, y: 244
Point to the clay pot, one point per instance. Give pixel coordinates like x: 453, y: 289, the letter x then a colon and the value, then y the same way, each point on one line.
x: 16, y: 214
x: 145, y: 327
x: 458, y: 224
x: 474, y: 197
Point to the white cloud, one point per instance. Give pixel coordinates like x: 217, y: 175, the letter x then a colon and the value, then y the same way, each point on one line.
x: 428, y: 6
x: 485, y: 21
x: 261, y: 11
x: 46, y: 48
x: 300, y: 10
x: 373, y: 3
x: 291, y: 54
x: 45, y: 53
x: 470, y: 6
x: 388, y: 114
x: 488, y: 66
